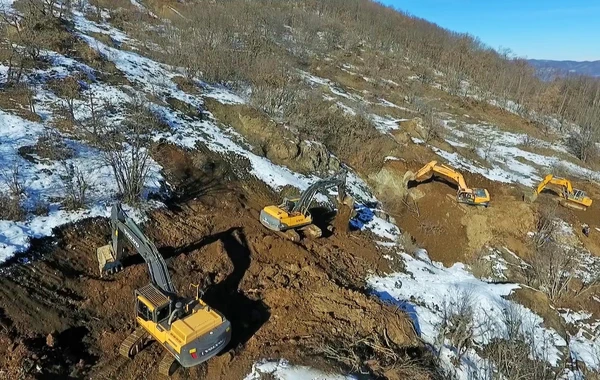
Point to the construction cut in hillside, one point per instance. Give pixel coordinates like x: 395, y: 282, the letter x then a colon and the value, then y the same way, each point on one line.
x: 464, y: 194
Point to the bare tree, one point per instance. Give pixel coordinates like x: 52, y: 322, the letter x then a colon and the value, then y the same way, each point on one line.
x: 126, y: 150
x: 552, y: 265
x: 76, y: 185
x: 458, y: 324
x: 433, y: 128
x: 69, y: 90
x: 516, y: 356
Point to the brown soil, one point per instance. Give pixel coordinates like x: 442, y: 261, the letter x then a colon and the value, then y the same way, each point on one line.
x: 285, y: 300
x: 453, y: 232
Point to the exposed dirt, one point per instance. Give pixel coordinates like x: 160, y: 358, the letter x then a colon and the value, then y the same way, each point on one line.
x: 453, y: 232
x: 284, y: 299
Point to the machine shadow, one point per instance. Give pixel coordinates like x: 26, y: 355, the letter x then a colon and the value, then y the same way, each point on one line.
x: 323, y: 218
x: 246, y: 315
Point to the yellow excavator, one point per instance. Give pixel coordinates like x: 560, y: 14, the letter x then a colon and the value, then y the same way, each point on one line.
x: 464, y: 194
x: 190, y: 331
x: 294, y: 214
x: 572, y: 198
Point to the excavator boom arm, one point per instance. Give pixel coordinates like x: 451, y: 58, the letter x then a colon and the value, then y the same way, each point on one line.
x: 550, y: 179
x: 157, y: 267
x: 445, y: 171
x: 307, y: 196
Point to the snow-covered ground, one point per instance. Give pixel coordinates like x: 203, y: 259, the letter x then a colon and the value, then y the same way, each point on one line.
x: 501, y: 150
x: 282, y: 370
x: 41, y: 179
x: 42, y: 183
x: 429, y: 290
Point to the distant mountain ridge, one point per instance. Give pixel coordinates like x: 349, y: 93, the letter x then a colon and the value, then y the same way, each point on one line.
x: 548, y: 68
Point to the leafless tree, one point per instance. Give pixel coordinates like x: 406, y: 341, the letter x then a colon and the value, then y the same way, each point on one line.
x: 458, y: 325
x: 126, y: 150
x: 69, y: 90
x: 76, y: 185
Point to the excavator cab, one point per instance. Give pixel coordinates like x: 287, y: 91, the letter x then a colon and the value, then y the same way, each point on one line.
x: 477, y: 197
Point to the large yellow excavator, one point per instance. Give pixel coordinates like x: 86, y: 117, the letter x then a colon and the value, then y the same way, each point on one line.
x: 294, y: 214
x: 464, y: 194
x: 189, y: 330
x: 572, y: 198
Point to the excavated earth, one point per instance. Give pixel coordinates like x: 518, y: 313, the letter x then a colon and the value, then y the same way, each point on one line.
x: 285, y: 299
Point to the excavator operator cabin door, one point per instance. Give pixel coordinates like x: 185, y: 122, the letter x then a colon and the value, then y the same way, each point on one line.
x: 143, y: 311
x: 145, y: 314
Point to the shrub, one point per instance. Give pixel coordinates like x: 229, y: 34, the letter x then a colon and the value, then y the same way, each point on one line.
x: 76, y: 186
x: 11, y: 208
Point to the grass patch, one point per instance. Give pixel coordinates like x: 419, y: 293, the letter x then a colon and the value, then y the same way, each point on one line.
x: 186, y: 85
x: 17, y: 99
x: 49, y: 146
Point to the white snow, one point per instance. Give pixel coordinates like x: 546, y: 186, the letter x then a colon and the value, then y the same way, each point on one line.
x: 500, y: 149
x: 42, y: 183
x: 283, y: 370
x: 385, y: 124
x: 383, y: 228
x: 427, y: 289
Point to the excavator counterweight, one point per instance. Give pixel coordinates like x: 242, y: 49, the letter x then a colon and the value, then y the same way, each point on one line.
x: 190, y: 331
x: 464, y: 194
x: 572, y: 198
x: 293, y: 215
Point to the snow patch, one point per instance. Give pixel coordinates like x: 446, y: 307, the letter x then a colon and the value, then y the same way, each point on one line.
x: 427, y: 289
x: 283, y: 370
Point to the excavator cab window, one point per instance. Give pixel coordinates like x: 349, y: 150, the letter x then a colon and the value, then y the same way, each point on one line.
x: 162, y: 313
x: 143, y: 311
x: 578, y: 194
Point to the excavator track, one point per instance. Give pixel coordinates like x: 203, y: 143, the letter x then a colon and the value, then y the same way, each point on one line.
x: 168, y: 365
x: 571, y: 205
x: 110, y: 370
x: 311, y: 231
x: 290, y: 234
x: 134, y: 343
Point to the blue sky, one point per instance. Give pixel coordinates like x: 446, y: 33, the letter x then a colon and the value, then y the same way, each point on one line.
x: 542, y: 29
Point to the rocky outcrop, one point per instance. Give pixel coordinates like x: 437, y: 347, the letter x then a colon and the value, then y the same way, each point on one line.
x: 274, y: 141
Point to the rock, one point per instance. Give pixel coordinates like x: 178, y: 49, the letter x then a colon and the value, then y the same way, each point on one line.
x: 51, y: 339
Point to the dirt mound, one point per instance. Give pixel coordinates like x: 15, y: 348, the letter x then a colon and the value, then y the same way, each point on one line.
x: 342, y: 219
x: 450, y: 231
x: 285, y: 300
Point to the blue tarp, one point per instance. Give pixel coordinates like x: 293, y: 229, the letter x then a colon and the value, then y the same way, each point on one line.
x: 403, y: 305
x: 363, y: 216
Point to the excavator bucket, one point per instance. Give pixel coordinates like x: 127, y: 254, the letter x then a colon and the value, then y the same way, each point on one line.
x: 408, y: 176
x: 348, y: 200
x: 107, y: 263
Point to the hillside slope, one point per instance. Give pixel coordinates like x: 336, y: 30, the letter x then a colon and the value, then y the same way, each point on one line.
x: 422, y: 287
x: 549, y: 68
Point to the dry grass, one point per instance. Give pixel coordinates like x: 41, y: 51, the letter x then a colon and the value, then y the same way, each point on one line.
x: 186, y: 85
x: 50, y: 145
x: 17, y: 99
x: 11, y: 208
